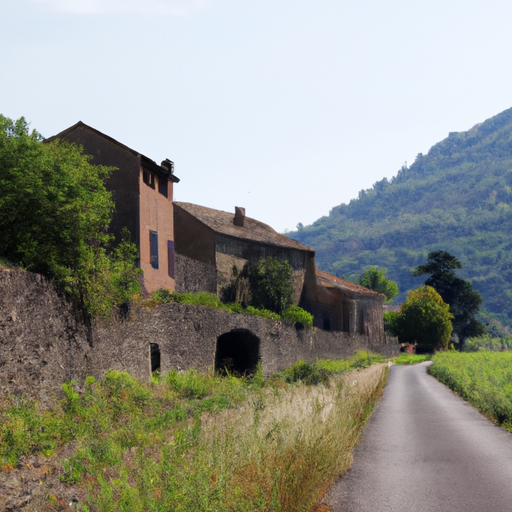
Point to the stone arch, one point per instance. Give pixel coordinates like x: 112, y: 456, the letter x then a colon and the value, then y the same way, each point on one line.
x: 237, y: 352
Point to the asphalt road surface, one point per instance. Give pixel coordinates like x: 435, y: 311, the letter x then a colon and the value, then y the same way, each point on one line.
x: 426, y: 450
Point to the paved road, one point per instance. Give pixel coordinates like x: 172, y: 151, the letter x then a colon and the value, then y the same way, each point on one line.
x: 426, y: 450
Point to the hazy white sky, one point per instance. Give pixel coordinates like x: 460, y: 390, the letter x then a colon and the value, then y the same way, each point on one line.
x: 285, y: 107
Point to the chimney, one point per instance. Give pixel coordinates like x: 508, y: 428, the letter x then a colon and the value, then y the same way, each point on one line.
x: 167, y: 164
x: 239, y: 216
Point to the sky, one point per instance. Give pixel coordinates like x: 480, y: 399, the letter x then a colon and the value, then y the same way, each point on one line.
x: 285, y: 107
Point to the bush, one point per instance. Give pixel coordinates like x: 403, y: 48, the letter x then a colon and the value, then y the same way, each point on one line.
x: 265, y: 313
x: 298, y: 316
x: 309, y: 374
x: 162, y: 296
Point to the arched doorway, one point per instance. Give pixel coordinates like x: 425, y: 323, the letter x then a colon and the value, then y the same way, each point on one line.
x: 238, y: 353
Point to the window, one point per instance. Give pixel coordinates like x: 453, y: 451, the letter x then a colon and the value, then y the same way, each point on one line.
x: 154, y: 351
x: 153, y: 248
x: 163, y: 186
x: 170, y: 258
x: 148, y: 178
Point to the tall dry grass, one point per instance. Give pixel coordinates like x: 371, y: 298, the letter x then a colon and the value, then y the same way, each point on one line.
x: 285, y: 447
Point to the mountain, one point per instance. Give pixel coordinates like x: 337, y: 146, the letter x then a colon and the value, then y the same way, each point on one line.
x: 458, y: 198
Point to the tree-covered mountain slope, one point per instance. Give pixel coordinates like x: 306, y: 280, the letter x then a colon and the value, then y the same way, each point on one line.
x: 457, y: 198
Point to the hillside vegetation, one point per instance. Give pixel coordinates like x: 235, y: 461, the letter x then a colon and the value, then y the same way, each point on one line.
x: 457, y: 198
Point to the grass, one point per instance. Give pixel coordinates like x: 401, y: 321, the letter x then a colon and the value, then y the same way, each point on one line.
x: 405, y: 359
x: 189, y: 441
x: 484, y: 379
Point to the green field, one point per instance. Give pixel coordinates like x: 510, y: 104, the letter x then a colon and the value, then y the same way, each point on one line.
x: 484, y: 379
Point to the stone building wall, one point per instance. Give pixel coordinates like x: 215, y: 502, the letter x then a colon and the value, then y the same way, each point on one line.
x: 43, y: 345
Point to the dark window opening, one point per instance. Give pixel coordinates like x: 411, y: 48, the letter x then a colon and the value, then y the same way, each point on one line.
x: 154, y: 351
x: 327, y: 324
x: 153, y: 248
x: 362, y: 323
x: 163, y: 186
x: 170, y: 258
x: 148, y: 178
x: 238, y: 353
x: 345, y: 312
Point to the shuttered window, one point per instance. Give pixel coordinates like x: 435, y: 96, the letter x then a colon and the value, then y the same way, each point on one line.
x: 153, y: 248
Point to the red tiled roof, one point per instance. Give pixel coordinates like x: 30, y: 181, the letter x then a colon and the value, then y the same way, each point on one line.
x: 330, y: 281
x: 253, y: 230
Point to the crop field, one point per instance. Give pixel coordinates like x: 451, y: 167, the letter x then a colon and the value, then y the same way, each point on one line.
x: 484, y: 379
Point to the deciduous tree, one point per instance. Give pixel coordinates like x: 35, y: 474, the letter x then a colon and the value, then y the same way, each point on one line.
x: 464, y: 301
x: 271, y: 284
x: 424, y: 319
x: 54, y: 216
x: 375, y: 279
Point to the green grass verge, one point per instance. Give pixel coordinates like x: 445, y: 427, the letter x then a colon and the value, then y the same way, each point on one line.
x: 404, y: 359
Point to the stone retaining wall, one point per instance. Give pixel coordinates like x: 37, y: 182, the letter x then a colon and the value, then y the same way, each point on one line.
x: 42, y: 344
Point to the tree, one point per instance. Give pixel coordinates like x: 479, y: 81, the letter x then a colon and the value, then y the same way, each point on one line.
x: 424, y: 319
x: 375, y: 279
x: 458, y: 293
x: 271, y: 284
x: 54, y: 216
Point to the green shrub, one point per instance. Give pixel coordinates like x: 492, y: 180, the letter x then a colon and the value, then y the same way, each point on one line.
x: 235, y: 307
x: 307, y: 373
x: 265, y: 313
x: 298, y: 316
x: 162, y: 296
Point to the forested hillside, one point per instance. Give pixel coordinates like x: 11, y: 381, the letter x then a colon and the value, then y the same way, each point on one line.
x: 457, y: 198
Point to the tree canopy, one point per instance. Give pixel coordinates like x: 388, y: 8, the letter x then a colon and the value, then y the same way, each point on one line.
x: 424, y: 319
x: 54, y: 217
x: 375, y: 279
x: 271, y: 284
x: 458, y: 293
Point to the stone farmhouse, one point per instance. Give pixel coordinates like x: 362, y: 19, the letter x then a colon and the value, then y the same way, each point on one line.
x: 143, y: 194
x: 213, y: 248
